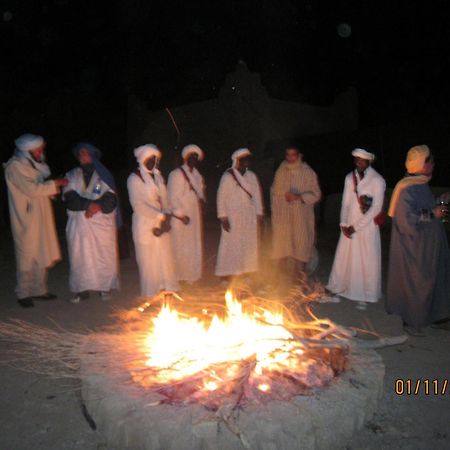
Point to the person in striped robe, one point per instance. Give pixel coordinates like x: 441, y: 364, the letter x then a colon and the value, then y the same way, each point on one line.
x: 294, y: 193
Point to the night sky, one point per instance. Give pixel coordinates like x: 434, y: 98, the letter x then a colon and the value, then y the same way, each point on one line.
x: 93, y: 54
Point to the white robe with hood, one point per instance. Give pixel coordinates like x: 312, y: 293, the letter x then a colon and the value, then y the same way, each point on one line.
x: 92, y: 243
x: 187, y: 239
x: 154, y: 255
x: 356, y: 272
x: 31, y: 213
x: 238, y: 248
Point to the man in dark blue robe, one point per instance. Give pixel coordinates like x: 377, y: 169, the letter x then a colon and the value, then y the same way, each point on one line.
x: 419, y: 264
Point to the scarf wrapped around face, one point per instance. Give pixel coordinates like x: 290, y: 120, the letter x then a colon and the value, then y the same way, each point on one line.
x: 104, y: 174
x: 25, y: 144
x: 415, y: 161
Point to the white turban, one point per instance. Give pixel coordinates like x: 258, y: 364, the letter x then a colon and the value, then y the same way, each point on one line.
x: 146, y: 151
x: 363, y: 154
x: 416, y: 157
x: 238, y: 154
x: 189, y: 149
x: 28, y: 142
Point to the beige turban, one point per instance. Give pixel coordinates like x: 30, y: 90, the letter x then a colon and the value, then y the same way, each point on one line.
x: 415, y: 159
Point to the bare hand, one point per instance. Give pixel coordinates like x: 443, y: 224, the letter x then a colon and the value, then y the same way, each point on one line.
x: 61, y: 182
x: 290, y: 197
x: 345, y: 231
x: 440, y: 211
x: 185, y: 220
x: 348, y: 231
x: 92, y: 209
x: 225, y: 224
x: 165, y: 224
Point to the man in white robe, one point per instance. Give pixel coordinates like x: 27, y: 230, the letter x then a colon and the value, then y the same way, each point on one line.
x: 32, y: 221
x: 239, y: 209
x: 186, y: 194
x: 356, y: 272
x: 91, y: 230
x: 151, y: 224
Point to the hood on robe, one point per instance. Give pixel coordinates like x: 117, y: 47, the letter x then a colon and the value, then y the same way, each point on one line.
x: 189, y: 149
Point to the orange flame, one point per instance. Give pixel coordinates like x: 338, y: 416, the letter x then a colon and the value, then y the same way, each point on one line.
x: 178, y: 347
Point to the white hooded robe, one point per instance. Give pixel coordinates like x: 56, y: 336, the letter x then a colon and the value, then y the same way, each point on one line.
x: 187, y: 239
x: 31, y: 213
x: 153, y: 254
x: 238, y: 248
x: 92, y: 243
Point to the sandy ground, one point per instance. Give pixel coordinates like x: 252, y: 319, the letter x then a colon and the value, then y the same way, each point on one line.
x: 39, y: 413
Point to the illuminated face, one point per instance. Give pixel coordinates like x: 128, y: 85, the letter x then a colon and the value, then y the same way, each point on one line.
x: 38, y: 153
x: 361, y: 164
x: 84, y: 157
x: 292, y: 155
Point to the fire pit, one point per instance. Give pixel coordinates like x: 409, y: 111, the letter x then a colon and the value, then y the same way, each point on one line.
x: 250, y: 376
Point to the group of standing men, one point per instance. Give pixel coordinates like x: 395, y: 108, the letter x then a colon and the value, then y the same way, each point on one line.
x: 167, y: 226
x: 418, y: 287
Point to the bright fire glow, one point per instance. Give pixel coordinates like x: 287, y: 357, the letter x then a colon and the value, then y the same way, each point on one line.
x: 179, y: 347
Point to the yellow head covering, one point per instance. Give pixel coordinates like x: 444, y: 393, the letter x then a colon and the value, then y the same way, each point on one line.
x: 415, y: 159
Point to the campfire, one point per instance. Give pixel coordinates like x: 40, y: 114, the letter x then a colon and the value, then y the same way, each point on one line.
x: 254, y: 352
x: 201, y: 372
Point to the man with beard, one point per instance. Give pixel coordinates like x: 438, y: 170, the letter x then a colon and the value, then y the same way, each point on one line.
x: 240, y: 210
x: 32, y: 220
x: 151, y: 223
x: 91, y: 202
x: 186, y: 194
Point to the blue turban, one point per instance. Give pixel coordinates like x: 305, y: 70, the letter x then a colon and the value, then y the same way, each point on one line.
x: 104, y: 174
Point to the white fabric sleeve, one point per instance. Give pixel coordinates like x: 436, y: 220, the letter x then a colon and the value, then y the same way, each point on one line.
x: 30, y: 186
x: 346, y: 199
x: 257, y: 195
x: 223, y: 195
x: 175, y: 188
x: 165, y: 204
x: 139, y: 202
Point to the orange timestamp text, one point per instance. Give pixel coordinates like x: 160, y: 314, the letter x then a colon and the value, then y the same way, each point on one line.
x: 408, y: 386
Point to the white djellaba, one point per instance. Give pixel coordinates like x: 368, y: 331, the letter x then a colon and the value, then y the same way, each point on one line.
x: 356, y: 272
x: 186, y: 192
x: 148, y: 198
x: 239, y: 199
x: 92, y: 242
x: 31, y: 212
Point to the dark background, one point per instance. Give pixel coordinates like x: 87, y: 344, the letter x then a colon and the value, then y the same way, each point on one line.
x: 68, y: 67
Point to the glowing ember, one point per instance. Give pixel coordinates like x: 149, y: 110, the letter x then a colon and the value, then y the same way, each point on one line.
x: 255, y: 352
